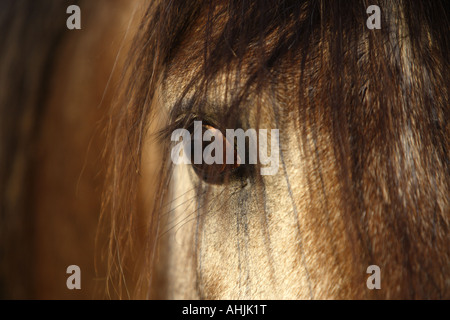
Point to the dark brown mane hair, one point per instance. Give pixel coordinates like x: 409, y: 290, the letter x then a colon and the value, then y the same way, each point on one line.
x: 389, y: 125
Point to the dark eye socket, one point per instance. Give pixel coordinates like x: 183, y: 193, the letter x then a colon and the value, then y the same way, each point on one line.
x: 214, y: 170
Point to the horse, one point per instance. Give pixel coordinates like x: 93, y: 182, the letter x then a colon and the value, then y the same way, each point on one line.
x: 363, y: 171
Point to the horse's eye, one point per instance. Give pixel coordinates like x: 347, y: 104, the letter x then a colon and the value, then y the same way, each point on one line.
x: 208, y: 154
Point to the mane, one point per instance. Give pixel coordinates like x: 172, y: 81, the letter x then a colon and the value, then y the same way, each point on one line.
x: 387, y: 124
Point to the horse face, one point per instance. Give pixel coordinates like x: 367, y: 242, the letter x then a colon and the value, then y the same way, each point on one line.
x: 236, y: 238
x: 254, y: 235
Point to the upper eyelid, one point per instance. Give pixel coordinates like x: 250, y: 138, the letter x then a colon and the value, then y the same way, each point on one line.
x: 167, y: 131
x: 192, y: 109
x: 185, y: 121
x: 183, y: 115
